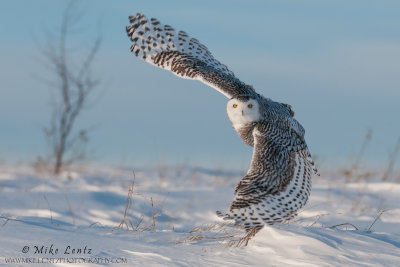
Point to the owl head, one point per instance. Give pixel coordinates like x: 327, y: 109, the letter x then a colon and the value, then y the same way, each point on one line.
x: 242, y: 110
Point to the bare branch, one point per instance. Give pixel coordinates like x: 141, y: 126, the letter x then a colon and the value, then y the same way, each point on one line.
x: 375, y: 220
x: 86, y: 66
x: 74, y: 84
x: 343, y: 224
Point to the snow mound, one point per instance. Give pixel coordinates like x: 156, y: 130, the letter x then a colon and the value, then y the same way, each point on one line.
x: 170, y: 221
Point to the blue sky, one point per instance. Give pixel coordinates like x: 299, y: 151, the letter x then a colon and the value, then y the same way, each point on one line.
x: 335, y: 62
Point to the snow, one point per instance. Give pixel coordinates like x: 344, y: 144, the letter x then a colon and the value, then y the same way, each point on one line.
x: 172, y: 221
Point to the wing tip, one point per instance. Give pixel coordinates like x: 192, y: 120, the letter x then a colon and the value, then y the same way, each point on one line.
x: 134, y: 18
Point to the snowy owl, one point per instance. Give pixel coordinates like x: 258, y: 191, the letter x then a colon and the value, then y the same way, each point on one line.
x: 278, y: 181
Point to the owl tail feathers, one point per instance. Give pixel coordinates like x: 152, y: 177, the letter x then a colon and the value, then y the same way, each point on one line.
x: 250, y: 228
x: 314, y: 168
x: 311, y: 162
x: 224, y: 216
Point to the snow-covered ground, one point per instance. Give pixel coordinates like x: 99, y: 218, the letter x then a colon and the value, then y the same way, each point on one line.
x: 73, y: 219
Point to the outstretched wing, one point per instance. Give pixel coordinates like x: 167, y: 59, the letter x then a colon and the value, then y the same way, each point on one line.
x: 279, y: 158
x: 162, y: 46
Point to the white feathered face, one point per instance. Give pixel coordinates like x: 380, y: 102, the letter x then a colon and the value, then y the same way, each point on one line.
x: 243, y: 111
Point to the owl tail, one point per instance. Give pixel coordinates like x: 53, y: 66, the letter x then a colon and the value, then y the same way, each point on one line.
x: 224, y: 216
x: 311, y: 162
x: 249, y: 227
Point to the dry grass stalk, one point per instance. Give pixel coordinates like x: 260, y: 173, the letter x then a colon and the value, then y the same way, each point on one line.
x: 128, y: 224
x: 319, y: 216
x: 96, y: 223
x: 70, y: 209
x: 139, y: 222
x: 211, y: 232
x: 206, y: 228
x: 392, y: 159
x: 153, y: 216
x: 343, y: 224
x: 6, y: 220
x: 193, y: 238
x: 367, y: 139
x: 125, y: 220
x: 375, y: 220
x: 244, y: 241
x: 352, y: 171
x: 51, y: 212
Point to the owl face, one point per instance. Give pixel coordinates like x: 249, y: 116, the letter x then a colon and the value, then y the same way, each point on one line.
x: 242, y: 111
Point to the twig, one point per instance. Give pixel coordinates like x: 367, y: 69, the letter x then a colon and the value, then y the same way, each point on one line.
x: 367, y: 139
x: 319, y: 216
x: 343, y: 224
x: 244, y: 241
x: 95, y: 224
x: 128, y: 204
x: 70, y: 209
x: 51, y: 213
x: 152, y: 220
x: 200, y: 233
x: 153, y: 225
x: 376, y: 219
x: 5, y: 221
x: 140, y: 220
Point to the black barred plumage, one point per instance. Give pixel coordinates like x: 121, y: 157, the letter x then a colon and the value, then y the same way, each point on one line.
x: 186, y: 57
x: 278, y: 181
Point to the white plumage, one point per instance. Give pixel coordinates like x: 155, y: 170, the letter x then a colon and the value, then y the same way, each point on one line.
x: 278, y: 181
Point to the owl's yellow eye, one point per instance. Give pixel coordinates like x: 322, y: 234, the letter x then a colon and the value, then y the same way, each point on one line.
x: 250, y: 105
x: 234, y: 105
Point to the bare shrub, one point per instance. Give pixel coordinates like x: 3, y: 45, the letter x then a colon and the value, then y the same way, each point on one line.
x: 74, y: 82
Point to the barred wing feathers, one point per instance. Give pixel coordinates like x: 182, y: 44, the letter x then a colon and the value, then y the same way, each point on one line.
x: 278, y: 181
x: 163, y: 47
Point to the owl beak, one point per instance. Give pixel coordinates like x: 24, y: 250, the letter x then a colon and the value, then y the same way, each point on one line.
x: 242, y: 112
